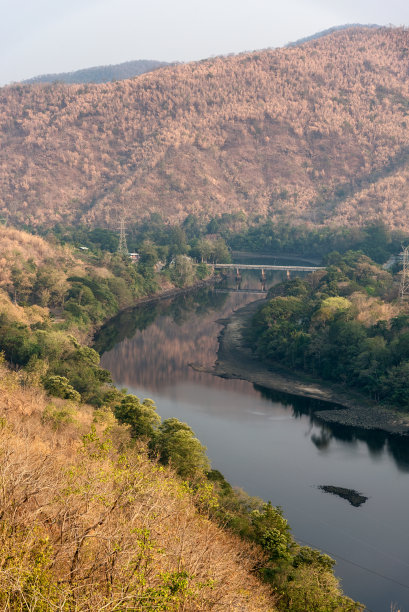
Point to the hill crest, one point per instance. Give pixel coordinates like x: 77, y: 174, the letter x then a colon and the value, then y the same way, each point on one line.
x: 100, y: 74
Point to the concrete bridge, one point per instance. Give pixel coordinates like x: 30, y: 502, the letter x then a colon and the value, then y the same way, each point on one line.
x: 264, y: 267
x: 288, y: 269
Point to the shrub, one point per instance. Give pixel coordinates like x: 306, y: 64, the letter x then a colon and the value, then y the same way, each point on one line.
x: 59, y: 386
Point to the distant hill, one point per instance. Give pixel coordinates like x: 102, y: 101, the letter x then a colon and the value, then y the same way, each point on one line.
x: 346, y: 26
x: 100, y: 74
x: 316, y: 134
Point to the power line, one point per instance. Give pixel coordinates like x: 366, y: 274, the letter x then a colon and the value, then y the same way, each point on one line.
x: 404, y: 281
x: 405, y: 586
x: 122, y: 246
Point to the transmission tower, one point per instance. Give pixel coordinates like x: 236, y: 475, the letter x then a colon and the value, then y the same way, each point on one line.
x: 404, y: 281
x: 122, y: 246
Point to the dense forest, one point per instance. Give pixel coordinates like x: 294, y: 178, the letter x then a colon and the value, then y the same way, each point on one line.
x: 315, y: 133
x: 103, y: 505
x: 344, y: 324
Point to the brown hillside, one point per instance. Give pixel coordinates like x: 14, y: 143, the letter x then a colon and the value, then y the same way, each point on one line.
x: 88, y: 528
x: 317, y: 133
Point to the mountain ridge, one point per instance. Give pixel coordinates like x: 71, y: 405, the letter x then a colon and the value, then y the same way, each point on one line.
x: 99, y: 74
x: 327, y: 31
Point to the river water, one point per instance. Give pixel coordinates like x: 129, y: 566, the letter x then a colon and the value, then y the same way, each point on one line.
x: 271, y: 444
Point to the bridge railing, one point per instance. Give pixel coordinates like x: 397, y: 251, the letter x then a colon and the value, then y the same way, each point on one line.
x: 267, y: 267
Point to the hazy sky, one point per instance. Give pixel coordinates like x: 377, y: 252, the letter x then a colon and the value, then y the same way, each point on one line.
x: 42, y: 36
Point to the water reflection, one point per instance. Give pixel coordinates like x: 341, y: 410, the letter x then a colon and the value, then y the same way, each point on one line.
x: 272, y: 444
x: 156, y: 343
x: 378, y: 442
x: 152, y: 346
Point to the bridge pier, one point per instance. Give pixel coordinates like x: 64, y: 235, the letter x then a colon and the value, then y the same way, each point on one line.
x: 263, y: 279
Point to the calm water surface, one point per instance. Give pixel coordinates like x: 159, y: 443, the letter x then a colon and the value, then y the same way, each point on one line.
x: 270, y: 444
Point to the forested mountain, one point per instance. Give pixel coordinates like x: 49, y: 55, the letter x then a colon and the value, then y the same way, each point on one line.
x: 100, y: 74
x: 316, y: 133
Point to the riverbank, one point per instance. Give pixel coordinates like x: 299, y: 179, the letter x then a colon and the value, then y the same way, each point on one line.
x: 168, y: 294
x: 171, y: 293
x: 236, y: 360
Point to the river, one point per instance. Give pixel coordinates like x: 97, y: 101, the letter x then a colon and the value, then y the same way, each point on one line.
x: 270, y: 444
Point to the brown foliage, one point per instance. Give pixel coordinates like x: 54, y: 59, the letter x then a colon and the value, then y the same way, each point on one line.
x: 319, y: 131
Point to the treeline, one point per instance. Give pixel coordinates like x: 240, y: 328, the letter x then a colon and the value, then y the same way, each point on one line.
x: 375, y: 240
x: 80, y: 293
x: 213, y: 240
x: 344, y: 325
x: 153, y: 236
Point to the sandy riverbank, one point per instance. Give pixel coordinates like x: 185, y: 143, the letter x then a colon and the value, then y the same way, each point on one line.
x: 236, y: 360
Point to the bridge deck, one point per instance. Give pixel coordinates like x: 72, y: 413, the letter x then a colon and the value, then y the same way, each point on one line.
x: 265, y: 267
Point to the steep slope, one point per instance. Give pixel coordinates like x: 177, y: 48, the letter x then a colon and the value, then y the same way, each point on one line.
x: 89, y: 527
x: 100, y: 74
x: 316, y: 133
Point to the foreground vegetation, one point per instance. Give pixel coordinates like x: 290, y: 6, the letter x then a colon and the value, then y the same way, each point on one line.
x: 343, y: 324
x: 104, y: 506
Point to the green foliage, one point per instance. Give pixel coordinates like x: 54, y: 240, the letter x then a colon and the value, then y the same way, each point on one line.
x: 375, y: 239
x: 17, y: 342
x: 313, y: 326
x: 170, y: 594
x: 182, y: 271
x: 309, y: 556
x: 59, y: 386
x: 141, y: 416
x: 177, y: 444
x: 202, y: 271
x: 59, y: 417
x: 271, y: 530
x: 30, y: 584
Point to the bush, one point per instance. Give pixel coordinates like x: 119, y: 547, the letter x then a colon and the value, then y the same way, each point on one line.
x: 59, y: 386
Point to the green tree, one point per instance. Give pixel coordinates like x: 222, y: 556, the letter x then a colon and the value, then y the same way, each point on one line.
x: 59, y: 386
x: 178, y: 445
x: 182, y: 271
x: 141, y: 416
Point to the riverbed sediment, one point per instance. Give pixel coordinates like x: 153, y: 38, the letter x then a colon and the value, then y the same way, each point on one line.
x: 236, y: 360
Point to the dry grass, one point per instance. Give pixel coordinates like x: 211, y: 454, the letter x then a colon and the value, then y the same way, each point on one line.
x: 31, y: 247
x: 27, y: 316
x: 371, y: 310
x: 89, y: 528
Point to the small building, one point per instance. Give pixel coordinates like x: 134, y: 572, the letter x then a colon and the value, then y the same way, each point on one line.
x: 134, y: 257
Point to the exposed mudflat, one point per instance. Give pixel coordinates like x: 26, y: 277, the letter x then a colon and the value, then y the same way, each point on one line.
x: 236, y: 360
